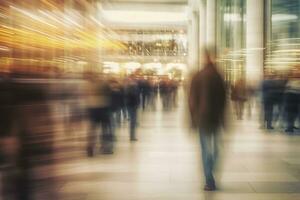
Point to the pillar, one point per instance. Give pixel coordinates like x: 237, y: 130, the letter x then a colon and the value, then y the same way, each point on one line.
x: 254, y: 40
x: 202, y: 29
x: 193, y: 35
x: 211, y: 22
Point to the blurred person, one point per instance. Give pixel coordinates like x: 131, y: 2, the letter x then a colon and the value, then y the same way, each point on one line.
x: 292, y: 101
x: 117, y: 101
x: 99, y: 109
x: 251, y: 95
x: 153, y: 94
x: 132, y: 103
x: 8, y: 138
x: 279, y: 88
x: 207, y: 99
x: 268, y: 100
x: 28, y: 132
x: 145, y: 89
x: 239, y: 97
x: 273, y: 98
x: 165, y: 93
x: 123, y: 103
x: 69, y: 96
x: 174, y: 93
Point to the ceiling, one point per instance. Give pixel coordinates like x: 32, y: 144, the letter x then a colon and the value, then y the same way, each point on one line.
x: 136, y: 14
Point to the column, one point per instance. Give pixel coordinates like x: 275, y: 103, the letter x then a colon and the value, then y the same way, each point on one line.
x: 254, y: 40
x: 211, y: 22
x: 193, y: 35
x: 236, y: 24
x: 202, y: 29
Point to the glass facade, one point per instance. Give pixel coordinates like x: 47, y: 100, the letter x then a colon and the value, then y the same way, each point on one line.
x: 282, y: 38
x: 231, y: 38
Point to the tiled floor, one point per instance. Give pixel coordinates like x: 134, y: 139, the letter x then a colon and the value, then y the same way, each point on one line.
x: 165, y: 165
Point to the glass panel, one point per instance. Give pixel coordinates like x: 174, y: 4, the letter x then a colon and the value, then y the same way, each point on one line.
x: 283, y: 41
x: 231, y: 38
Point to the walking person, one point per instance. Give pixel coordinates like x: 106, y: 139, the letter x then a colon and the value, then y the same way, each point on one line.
x: 132, y: 103
x: 145, y: 89
x: 116, y: 101
x: 26, y: 134
x: 239, y: 97
x: 292, y: 99
x: 207, y: 99
x: 268, y: 88
x: 99, y: 109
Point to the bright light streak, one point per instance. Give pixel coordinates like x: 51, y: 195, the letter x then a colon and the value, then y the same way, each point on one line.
x: 72, y: 16
x: 51, y: 17
x: 160, y: 71
x: 283, y: 17
x: 71, y: 21
x: 132, y: 65
x: 32, y: 16
x: 96, y: 21
x: 233, y: 60
x: 180, y: 66
x: 287, y: 51
x: 253, y: 49
x: 284, y: 59
x: 3, y: 16
x: 143, y: 16
x: 281, y: 62
x: 232, y: 17
x: 113, y: 67
x: 296, y: 44
x: 37, y: 31
x: 82, y: 62
x: 153, y: 65
x: 3, y: 48
x: 107, y: 63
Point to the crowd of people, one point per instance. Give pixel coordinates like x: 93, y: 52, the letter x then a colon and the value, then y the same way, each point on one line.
x: 113, y: 101
x: 281, y: 101
x: 279, y: 97
x: 32, y: 106
x: 28, y: 125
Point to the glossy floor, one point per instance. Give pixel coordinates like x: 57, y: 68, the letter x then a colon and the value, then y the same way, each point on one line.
x: 165, y: 164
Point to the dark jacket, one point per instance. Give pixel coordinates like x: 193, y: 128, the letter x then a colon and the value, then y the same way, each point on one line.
x: 207, y: 99
x: 132, y: 96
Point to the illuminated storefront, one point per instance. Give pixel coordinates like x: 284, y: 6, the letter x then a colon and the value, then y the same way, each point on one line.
x: 52, y: 36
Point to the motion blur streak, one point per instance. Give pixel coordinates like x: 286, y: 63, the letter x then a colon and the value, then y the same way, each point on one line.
x: 99, y: 99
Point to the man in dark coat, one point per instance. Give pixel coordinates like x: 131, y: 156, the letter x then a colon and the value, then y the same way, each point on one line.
x: 207, y: 101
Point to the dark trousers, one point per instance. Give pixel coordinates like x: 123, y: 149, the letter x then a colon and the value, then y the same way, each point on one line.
x: 132, y: 111
x: 101, y: 116
x: 268, y: 109
x: 144, y: 99
x: 292, y: 109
